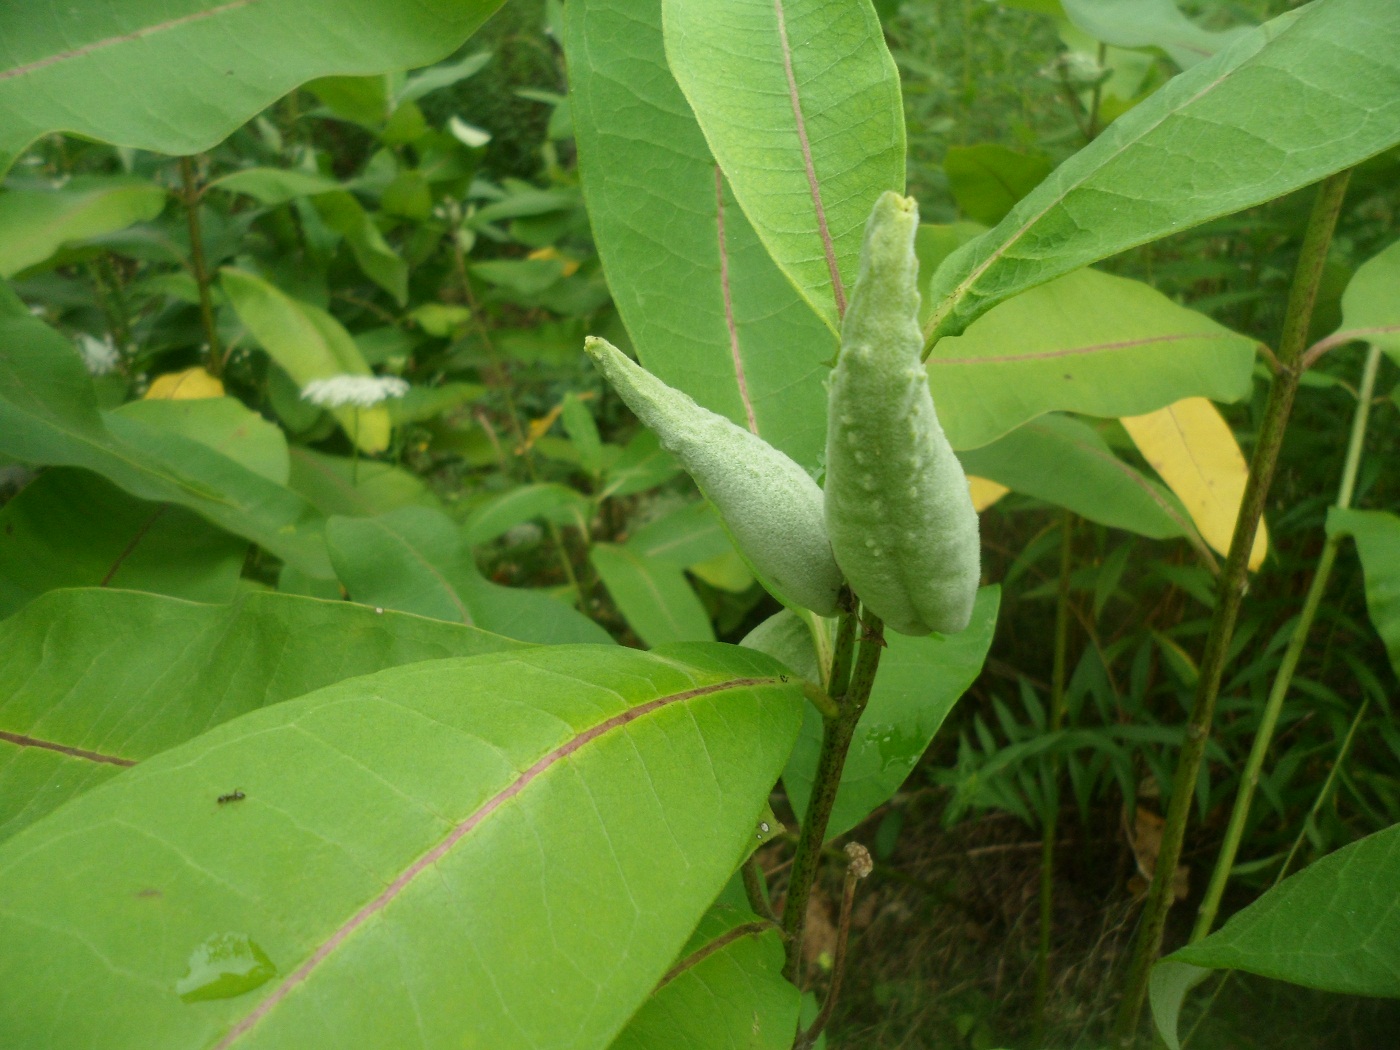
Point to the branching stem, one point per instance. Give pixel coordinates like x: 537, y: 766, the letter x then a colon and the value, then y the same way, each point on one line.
x: 1263, y: 737
x: 1231, y: 586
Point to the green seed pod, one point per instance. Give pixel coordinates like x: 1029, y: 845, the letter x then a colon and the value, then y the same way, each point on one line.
x: 898, y: 512
x: 769, y: 504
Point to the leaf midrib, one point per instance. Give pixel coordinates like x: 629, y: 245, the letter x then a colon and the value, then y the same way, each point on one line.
x: 83, y: 50
x: 460, y: 832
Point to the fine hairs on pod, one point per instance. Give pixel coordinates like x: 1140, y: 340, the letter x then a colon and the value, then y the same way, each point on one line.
x: 898, y: 511
x: 771, y: 507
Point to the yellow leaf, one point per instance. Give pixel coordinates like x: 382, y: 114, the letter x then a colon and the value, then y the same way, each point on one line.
x: 193, y: 384
x: 1190, y: 445
x: 550, y: 252
x: 985, y: 493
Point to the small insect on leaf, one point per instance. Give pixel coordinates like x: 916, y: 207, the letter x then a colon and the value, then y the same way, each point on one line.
x: 233, y: 796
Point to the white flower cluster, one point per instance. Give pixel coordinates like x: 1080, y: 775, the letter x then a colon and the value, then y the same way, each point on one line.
x: 360, y: 391
x: 99, y: 355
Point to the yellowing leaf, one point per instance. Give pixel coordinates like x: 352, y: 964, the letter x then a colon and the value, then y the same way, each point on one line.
x: 551, y: 252
x: 193, y: 384
x: 1190, y: 445
x: 985, y: 493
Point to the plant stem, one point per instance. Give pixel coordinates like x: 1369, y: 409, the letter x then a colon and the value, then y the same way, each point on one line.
x: 1263, y: 737
x: 214, y: 364
x: 1058, y: 674
x: 836, y: 742
x: 859, y: 867
x: 1230, y: 591
x: 1321, y: 800
x: 1097, y: 99
x: 756, y: 889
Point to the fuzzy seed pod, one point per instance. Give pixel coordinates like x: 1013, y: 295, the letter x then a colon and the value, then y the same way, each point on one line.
x: 769, y: 504
x: 898, y: 512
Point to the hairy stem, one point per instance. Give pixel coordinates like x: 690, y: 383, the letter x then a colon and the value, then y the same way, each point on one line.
x: 1231, y: 586
x: 191, y: 196
x: 836, y: 742
x: 1058, y: 674
x: 1263, y: 737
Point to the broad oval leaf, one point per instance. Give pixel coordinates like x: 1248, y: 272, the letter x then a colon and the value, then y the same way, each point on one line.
x: 1193, y: 449
x: 224, y: 424
x: 800, y: 103
x: 1064, y: 461
x: 72, y: 528
x: 339, y: 485
x: 34, y: 224
x: 417, y: 559
x: 49, y: 416
x: 309, y: 344
x: 94, y: 681
x: 183, y: 84
x: 653, y: 595
x: 417, y: 854
x: 1332, y: 926
x: 919, y: 681
x: 725, y: 992
x: 1371, y: 304
x: 1088, y: 342
x: 1377, y: 536
x: 1149, y: 23
x: 707, y: 309
x: 1305, y: 95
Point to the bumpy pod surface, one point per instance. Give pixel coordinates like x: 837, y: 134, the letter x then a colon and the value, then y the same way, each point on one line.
x: 769, y: 504
x: 898, y: 512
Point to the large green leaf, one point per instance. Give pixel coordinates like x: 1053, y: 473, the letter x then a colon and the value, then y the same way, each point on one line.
x: 548, y: 500
x: 48, y: 415
x: 706, y: 308
x: 225, y: 425
x: 1333, y: 926
x: 339, y: 485
x: 1088, y: 342
x: 653, y: 595
x: 309, y: 344
x: 94, y: 681
x: 71, y: 528
x: 919, y: 681
x: 1149, y: 23
x: 417, y: 559
x: 725, y: 992
x: 1064, y: 461
x: 688, y: 535
x: 1371, y: 303
x: 178, y: 76
x: 501, y: 851
x: 1377, y: 536
x: 1305, y: 95
x: 800, y: 103
x: 34, y: 224
x: 987, y: 180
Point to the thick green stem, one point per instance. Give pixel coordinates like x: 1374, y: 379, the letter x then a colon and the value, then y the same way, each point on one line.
x: 1225, y: 860
x: 1058, y: 674
x: 215, y: 358
x: 836, y: 742
x: 1230, y: 591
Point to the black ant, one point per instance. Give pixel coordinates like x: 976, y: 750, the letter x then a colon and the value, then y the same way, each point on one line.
x: 232, y: 796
